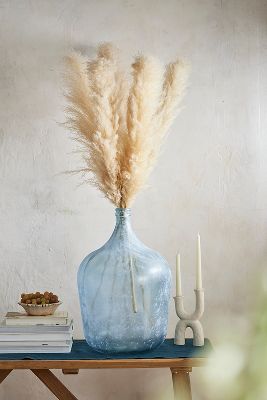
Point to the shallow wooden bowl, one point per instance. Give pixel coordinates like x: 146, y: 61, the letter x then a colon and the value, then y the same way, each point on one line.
x: 40, y: 309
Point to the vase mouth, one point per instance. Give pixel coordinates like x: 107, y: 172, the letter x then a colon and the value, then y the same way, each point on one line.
x: 123, y: 212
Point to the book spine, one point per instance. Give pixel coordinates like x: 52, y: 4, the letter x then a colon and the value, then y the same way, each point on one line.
x: 32, y: 322
x: 23, y: 344
x: 35, y: 337
x: 43, y: 350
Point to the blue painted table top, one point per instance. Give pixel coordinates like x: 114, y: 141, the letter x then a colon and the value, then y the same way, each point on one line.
x: 81, y: 351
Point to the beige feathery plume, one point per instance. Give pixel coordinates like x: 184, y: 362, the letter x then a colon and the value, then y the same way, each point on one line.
x: 121, y: 125
x: 94, y: 115
x: 136, y: 144
x: 175, y: 80
x: 80, y: 109
x: 173, y: 90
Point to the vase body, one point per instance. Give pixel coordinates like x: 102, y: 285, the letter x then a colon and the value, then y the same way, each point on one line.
x: 124, y: 289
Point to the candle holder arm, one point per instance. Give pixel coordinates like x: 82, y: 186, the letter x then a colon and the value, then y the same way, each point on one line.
x: 179, y: 307
x: 199, y: 308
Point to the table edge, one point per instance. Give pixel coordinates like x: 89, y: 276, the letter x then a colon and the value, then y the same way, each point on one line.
x: 102, y: 364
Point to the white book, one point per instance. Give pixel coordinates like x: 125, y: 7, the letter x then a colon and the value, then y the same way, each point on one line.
x: 36, y: 343
x: 48, y: 349
x: 17, y: 319
x: 31, y: 337
x: 35, y: 329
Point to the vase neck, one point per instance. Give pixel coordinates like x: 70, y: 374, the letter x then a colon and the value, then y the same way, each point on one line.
x: 123, y: 216
x: 123, y: 227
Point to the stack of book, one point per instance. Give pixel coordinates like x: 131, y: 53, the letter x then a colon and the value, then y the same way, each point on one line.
x: 21, y: 333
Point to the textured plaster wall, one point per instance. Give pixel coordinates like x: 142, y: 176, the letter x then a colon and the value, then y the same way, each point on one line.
x: 211, y: 176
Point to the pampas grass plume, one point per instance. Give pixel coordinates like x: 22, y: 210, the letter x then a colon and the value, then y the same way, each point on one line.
x: 121, y: 122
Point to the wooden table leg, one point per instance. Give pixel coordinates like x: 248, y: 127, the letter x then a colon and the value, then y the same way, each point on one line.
x: 181, y: 383
x: 54, y: 384
x: 4, y: 373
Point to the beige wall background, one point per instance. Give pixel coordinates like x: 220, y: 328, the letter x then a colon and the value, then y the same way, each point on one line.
x: 211, y: 176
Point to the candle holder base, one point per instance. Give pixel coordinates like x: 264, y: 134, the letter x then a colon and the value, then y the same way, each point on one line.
x: 198, y: 335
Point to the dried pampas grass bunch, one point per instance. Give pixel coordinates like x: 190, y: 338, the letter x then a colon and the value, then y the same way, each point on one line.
x: 121, y: 121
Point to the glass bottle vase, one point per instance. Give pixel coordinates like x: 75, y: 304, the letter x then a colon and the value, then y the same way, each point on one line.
x: 124, y: 289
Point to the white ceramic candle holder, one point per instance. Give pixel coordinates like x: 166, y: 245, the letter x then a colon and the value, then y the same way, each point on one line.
x: 189, y: 320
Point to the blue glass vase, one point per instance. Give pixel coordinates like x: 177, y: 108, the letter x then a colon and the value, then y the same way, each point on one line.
x: 124, y: 289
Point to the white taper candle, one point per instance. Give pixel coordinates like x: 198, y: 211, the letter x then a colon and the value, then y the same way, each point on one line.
x: 199, y: 272
x: 178, y: 276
